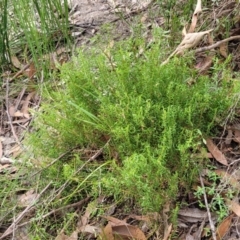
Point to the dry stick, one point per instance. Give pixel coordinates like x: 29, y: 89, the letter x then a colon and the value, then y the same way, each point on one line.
x: 19, y: 99
x: 217, y: 44
x: 73, y: 205
x: 8, y: 115
x: 208, y: 211
x: 14, y: 226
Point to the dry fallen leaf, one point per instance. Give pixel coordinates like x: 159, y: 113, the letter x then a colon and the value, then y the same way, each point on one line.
x: 217, y: 154
x: 25, y: 105
x: 118, y: 229
x: 114, y: 221
x: 236, y: 135
x: 198, y: 10
x: 16, y: 63
x: 167, y: 232
x: 30, y: 71
x: 192, y: 215
x: 234, y: 206
x: 62, y: 236
x: 184, y: 32
x: 107, y: 232
x: 128, y: 232
x: 82, y: 225
x: 224, y: 226
x: 189, y: 41
x: 204, y: 65
x: 223, y: 49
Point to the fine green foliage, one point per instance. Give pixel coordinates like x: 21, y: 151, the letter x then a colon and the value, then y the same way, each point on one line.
x: 35, y: 28
x: 4, y: 44
x: 154, y: 117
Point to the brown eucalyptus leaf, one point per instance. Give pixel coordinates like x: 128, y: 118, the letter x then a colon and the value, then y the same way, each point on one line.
x: 167, y: 232
x: 107, y: 233
x: 224, y: 227
x: 192, y: 215
x: 234, y: 206
x: 16, y: 63
x: 114, y: 221
x: 30, y: 70
x: 25, y: 109
x: 217, y: 154
x: 128, y: 232
x: 62, y: 236
x: 198, y: 10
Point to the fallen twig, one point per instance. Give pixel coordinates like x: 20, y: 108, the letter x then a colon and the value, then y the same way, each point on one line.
x: 217, y: 44
x: 54, y: 211
x: 208, y: 210
x: 8, y: 115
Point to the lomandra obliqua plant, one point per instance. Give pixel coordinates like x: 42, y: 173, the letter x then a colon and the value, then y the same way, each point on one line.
x: 152, y: 114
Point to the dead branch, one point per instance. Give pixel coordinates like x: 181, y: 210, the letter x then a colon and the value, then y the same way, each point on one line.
x: 217, y: 44
x: 208, y: 210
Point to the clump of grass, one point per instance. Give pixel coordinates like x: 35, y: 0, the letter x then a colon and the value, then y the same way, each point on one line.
x: 36, y: 28
x: 4, y: 44
x: 153, y: 116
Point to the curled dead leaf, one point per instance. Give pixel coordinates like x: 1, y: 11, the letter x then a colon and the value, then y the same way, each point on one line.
x: 191, y: 40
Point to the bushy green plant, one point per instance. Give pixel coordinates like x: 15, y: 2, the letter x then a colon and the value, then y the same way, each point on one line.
x: 151, y: 113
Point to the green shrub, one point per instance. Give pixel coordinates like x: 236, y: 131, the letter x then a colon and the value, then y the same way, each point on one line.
x: 152, y: 114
